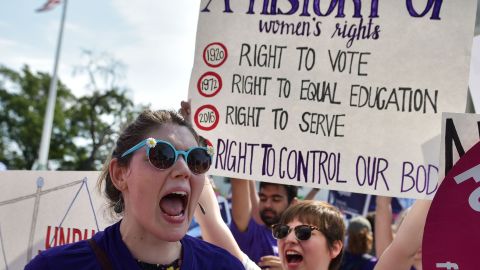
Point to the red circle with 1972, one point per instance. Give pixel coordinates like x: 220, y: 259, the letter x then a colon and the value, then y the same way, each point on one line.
x: 207, y: 117
x: 209, y: 84
x: 215, y: 54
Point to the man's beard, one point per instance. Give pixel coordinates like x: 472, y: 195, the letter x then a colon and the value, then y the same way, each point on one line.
x: 269, y: 220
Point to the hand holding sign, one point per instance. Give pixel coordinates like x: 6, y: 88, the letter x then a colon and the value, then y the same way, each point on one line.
x: 186, y: 111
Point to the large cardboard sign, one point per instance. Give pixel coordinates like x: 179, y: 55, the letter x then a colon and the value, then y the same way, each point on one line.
x: 451, y: 231
x: 475, y: 73
x: 460, y: 132
x: 40, y: 209
x: 330, y: 94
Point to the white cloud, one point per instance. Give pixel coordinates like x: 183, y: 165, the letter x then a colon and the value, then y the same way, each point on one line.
x: 155, y: 40
x: 4, y: 43
x: 75, y: 29
x: 160, y: 58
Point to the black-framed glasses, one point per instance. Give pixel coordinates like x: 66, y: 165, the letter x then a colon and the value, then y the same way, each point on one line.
x: 163, y: 155
x: 302, y: 232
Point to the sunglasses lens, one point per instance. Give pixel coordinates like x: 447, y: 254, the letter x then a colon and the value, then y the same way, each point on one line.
x: 162, y: 156
x: 280, y: 231
x: 199, y: 160
x: 303, y: 232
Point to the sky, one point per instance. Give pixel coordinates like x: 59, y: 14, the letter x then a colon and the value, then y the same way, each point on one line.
x: 155, y: 40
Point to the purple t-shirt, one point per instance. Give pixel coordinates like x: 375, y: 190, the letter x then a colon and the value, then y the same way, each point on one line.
x: 357, y: 262
x: 257, y: 241
x: 197, y: 254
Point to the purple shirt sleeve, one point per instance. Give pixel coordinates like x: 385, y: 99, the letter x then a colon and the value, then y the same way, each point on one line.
x: 257, y: 241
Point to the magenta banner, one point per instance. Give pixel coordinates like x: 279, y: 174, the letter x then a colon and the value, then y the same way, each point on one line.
x: 452, y: 232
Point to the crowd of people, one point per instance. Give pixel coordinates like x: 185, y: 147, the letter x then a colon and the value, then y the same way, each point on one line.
x: 156, y: 181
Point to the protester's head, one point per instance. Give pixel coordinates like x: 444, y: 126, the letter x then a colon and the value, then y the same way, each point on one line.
x: 310, y: 236
x: 360, y: 237
x: 274, y: 199
x: 156, y: 174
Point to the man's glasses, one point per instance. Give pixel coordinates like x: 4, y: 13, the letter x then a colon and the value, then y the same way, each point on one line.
x: 163, y: 155
x: 302, y: 232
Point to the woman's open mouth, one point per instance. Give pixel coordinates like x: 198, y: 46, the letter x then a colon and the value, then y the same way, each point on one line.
x: 174, y: 204
x: 293, y: 257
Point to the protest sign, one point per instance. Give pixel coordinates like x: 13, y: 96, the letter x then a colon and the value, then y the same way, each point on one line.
x: 331, y: 94
x: 451, y: 232
x: 43, y: 209
x: 474, y: 82
x: 355, y: 204
x: 460, y: 131
x: 350, y: 203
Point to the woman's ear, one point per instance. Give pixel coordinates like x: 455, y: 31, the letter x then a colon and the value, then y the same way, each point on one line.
x: 336, y: 249
x: 118, y: 174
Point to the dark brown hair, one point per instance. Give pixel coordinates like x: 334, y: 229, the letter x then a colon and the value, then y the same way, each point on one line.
x: 292, y: 191
x: 360, y: 242
x: 145, y: 123
x: 322, y: 215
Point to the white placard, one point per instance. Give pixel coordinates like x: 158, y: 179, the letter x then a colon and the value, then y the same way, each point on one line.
x: 42, y: 209
x: 331, y: 94
x: 460, y: 131
x: 474, y: 82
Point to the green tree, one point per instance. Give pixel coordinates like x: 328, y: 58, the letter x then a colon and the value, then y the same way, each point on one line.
x: 23, y: 99
x: 98, y: 117
x: 96, y: 120
x: 84, y: 128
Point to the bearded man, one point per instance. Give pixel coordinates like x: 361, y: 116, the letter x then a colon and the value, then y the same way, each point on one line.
x: 251, y: 222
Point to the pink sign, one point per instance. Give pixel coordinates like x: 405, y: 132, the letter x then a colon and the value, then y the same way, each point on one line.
x: 452, y: 230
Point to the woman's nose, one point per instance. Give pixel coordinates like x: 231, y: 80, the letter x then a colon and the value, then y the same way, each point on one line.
x: 180, y: 168
x: 291, y: 237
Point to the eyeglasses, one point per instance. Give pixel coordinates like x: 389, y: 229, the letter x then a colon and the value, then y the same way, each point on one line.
x: 302, y: 232
x: 163, y: 155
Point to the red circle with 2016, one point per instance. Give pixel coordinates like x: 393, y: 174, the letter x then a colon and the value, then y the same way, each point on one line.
x: 207, y: 117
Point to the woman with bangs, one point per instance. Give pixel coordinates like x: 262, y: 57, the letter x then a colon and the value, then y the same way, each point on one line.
x: 153, y: 181
x: 310, y: 236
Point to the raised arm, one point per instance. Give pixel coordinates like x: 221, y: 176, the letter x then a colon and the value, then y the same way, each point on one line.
x: 383, y: 224
x: 400, y: 254
x: 241, y: 205
x: 214, y: 229
x: 252, y: 189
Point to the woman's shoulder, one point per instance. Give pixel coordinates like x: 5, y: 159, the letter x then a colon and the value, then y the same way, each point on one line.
x: 76, y: 255
x: 205, y: 255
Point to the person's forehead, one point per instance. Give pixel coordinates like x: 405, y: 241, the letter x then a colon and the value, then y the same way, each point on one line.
x: 179, y: 136
x: 273, y: 190
x: 295, y: 222
x: 303, y: 219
